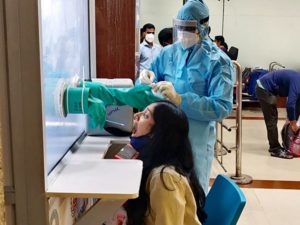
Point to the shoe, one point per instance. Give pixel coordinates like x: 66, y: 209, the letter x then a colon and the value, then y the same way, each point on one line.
x: 281, y: 154
x: 276, y: 149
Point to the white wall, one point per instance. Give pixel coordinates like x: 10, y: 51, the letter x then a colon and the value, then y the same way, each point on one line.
x: 159, y: 12
x: 263, y: 30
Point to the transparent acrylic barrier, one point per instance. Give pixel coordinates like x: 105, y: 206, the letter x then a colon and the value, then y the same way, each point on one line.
x: 64, y: 53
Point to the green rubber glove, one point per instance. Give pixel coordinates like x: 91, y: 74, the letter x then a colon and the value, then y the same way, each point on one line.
x: 137, y: 97
x: 94, y: 98
x: 80, y: 101
x: 96, y: 112
x: 76, y: 100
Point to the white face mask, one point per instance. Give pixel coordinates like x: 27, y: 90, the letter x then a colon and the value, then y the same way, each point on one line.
x: 149, y: 37
x: 187, y: 39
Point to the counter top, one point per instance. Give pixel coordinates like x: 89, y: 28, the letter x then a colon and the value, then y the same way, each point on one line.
x: 85, y: 174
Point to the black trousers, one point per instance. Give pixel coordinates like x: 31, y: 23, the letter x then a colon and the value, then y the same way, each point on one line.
x: 268, y: 104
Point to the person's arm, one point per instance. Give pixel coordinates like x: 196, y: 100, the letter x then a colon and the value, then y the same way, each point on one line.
x: 218, y: 102
x: 167, y: 206
x: 158, y: 63
x: 291, y: 106
x: 294, y: 126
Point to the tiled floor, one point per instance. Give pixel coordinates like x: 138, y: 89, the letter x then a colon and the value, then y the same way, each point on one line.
x: 256, y: 160
x: 271, y: 207
x: 264, y: 206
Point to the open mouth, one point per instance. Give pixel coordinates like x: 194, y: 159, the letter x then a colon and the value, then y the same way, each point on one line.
x: 134, y: 129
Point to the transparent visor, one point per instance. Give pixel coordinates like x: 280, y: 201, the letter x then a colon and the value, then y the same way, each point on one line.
x: 183, y: 25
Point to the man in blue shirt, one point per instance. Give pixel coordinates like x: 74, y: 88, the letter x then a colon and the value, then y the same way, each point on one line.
x: 148, y: 49
x: 284, y: 83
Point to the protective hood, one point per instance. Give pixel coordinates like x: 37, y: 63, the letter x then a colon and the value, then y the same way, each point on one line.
x: 196, y: 10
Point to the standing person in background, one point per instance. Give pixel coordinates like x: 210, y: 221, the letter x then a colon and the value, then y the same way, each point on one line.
x: 148, y: 49
x: 165, y: 36
x: 196, y: 75
x: 284, y: 83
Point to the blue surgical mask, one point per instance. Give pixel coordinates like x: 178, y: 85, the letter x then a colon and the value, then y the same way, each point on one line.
x: 139, y: 143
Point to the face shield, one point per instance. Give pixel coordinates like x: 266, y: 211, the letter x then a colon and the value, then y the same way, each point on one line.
x: 185, y: 32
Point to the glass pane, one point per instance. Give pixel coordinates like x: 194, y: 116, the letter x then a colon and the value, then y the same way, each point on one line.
x: 65, y: 53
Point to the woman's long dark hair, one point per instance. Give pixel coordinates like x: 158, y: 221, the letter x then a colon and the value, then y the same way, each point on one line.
x: 169, y: 146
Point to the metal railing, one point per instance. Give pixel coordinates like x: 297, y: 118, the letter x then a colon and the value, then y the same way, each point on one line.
x: 238, y: 177
x: 273, y: 65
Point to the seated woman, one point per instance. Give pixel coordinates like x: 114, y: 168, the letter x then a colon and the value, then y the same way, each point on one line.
x: 220, y: 42
x: 169, y: 193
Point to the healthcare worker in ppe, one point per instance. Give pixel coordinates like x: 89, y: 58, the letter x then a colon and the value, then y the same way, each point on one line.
x: 197, y: 76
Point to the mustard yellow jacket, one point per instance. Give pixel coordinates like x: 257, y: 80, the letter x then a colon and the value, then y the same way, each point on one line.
x: 172, y: 202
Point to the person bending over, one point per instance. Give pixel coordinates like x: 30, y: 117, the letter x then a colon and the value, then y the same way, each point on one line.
x: 284, y: 83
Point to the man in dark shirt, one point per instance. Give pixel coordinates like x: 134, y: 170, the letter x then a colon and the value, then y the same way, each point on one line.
x: 284, y: 83
x: 165, y: 36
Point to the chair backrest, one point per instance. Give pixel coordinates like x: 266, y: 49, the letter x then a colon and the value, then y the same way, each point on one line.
x: 224, y: 203
x: 233, y: 53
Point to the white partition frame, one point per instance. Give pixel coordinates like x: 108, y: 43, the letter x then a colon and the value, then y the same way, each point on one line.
x: 21, y: 114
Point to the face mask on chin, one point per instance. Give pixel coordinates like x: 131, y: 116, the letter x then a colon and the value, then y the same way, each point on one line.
x: 149, y: 38
x: 139, y: 143
x: 188, y: 39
